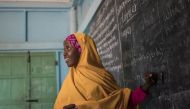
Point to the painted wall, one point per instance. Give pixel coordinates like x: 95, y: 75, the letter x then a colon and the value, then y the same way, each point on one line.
x: 35, y: 29
x: 83, y: 7
x: 30, y: 26
x: 42, y: 29
x: 85, y: 11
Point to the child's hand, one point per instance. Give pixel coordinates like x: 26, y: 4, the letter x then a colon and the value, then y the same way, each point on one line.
x: 150, y: 80
x: 70, y: 106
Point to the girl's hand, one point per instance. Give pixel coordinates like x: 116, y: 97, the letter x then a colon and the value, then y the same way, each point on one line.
x: 150, y: 80
x: 70, y: 106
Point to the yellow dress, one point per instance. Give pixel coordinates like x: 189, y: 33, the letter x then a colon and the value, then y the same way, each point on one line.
x: 89, y: 85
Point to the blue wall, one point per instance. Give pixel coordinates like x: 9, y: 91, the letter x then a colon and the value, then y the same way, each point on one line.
x: 36, y: 25
x: 40, y: 29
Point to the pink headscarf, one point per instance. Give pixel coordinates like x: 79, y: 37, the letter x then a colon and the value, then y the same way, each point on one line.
x: 73, y: 41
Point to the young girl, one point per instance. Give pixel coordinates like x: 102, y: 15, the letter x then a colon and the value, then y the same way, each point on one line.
x: 89, y: 86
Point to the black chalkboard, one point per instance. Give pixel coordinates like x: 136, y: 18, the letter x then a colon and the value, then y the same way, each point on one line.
x: 136, y: 36
x: 104, y: 30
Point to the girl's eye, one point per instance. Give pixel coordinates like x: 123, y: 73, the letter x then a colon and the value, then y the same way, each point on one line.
x: 68, y: 48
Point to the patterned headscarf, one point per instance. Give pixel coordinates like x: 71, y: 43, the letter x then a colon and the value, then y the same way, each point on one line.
x: 73, y: 41
x: 103, y: 93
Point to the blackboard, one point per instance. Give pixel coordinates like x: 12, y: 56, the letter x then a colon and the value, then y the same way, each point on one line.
x: 103, y: 26
x: 136, y: 36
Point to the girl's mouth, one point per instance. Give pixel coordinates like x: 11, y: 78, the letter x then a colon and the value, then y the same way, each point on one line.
x: 67, y: 59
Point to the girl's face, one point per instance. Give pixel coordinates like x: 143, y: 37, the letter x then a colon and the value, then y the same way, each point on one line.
x: 71, y: 54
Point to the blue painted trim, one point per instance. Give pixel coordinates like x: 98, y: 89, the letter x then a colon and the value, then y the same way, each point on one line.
x: 43, y: 50
x: 26, y: 26
x: 58, y: 71
x: 35, y: 4
x: 12, y: 10
x: 34, y: 8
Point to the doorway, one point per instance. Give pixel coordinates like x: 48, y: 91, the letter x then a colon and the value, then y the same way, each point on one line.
x: 27, y: 80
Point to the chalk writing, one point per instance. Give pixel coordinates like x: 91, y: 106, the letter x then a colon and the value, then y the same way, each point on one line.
x: 172, y: 10
x: 127, y: 32
x: 128, y: 16
x: 151, y: 16
x: 135, y: 36
x: 122, y: 6
x: 148, y: 55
